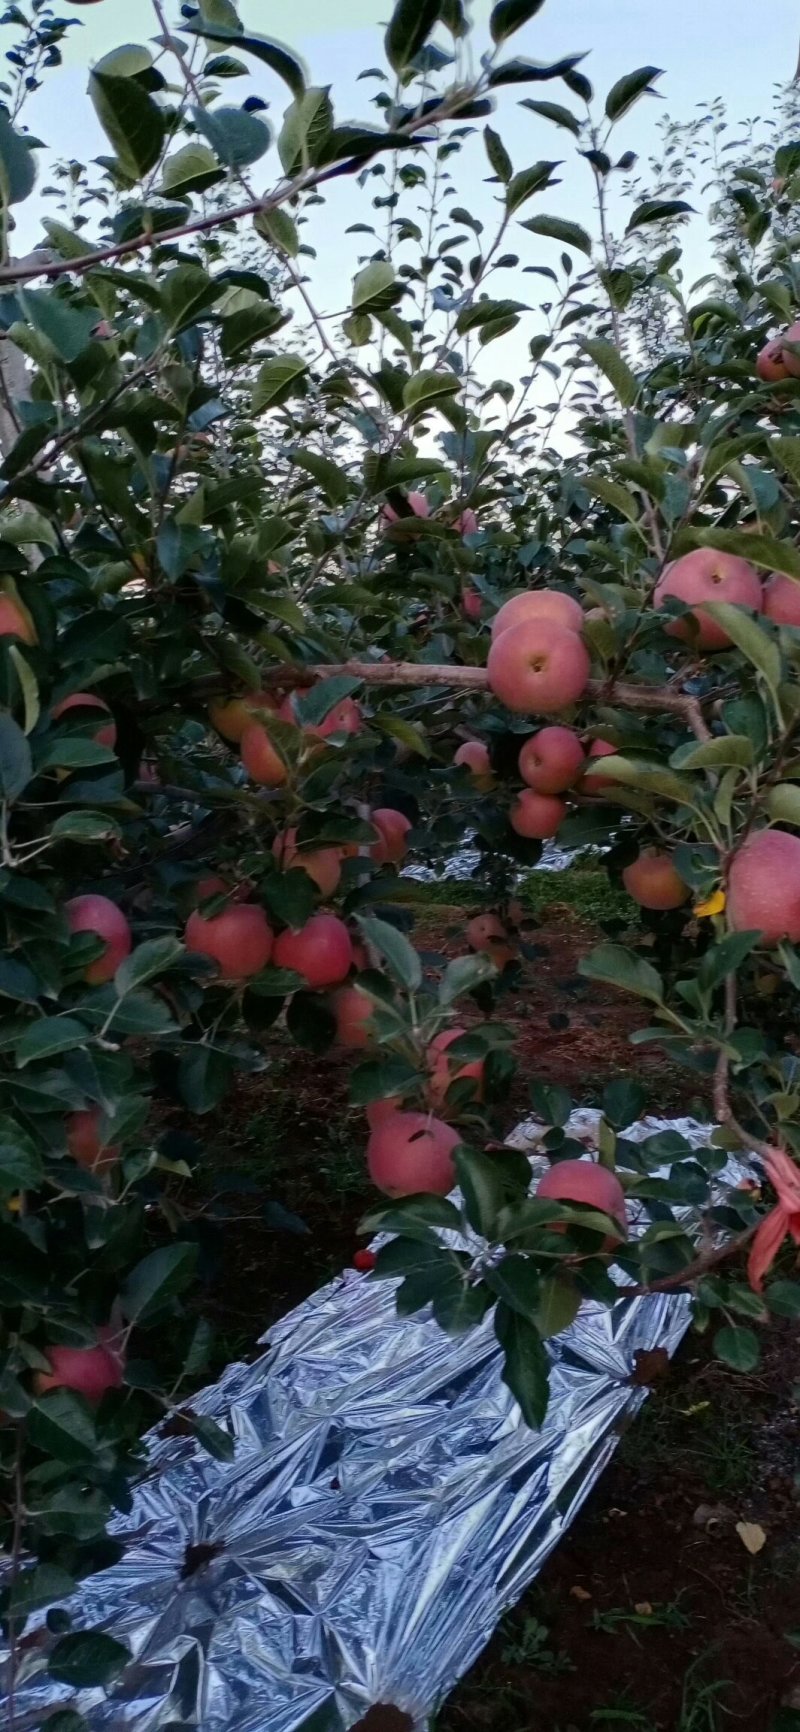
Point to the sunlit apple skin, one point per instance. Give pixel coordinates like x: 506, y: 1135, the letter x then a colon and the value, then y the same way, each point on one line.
x: 653, y: 882
x: 586, y: 1182
x: 486, y: 933
x: 770, y: 363
x: 412, y: 1152
x: 538, y: 667
x: 15, y: 621
x: 474, y: 756
x: 594, y: 784
x: 100, y: 915
x: 231, y: 716
x: 782, y: 599
x: 764, y: 887
x: 260, y: 759
x: 91, y: 1371
x: 106, y: 735
x: 321, y: 951
x: 550, y: 604
x: 551, y: 760
x: 537, y: 816
x: 240, y: 940
x: 353, y: 1012
x: 85, y: 1144
x: 705, y: 575
x: 392, y: 827
x: 323, y: 865
x: 417, y: 502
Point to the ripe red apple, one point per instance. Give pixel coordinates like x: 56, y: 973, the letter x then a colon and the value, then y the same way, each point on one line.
x: 705, y: 575
x: 418, y: 503
x: 652, y: 881
x: 364, y: 1261
x: 214, y: 886
x: 764, y: 887
x: 471, y: 604
x: 467, y: 523
x: 99, y: 914
x: 91, y: 1371
x: 550, y: 604
x: 536, y: 816
x: 474, y: 755
x: 782, y: 599
x: 770, y: 363
x: 230, y: 716
x: 15, y: 621
x: 261, y: 761
x: 344, y: 718
x: 321, y: 951
x: 353, y: 1011
x: 85, y: 1141
x: 392, y: 827
x: 551, y: 760
x: 411, y: 1152
x: 323, y: 865
x: 240, y: 940
x: 105, y: 736
x: 586, y: 1182
x: 791, y: 362
x: 486, y: 933
x: 538, y: 666
x: 593, y: 784
x: 445, y: 1071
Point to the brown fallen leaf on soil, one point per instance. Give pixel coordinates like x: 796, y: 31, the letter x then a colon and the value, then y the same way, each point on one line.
x: 651, y: 1365
x: 752, y: 1536
x: 578, y: 1593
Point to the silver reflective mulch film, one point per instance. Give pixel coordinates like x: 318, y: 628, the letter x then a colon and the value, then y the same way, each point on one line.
x: 385, y: 1506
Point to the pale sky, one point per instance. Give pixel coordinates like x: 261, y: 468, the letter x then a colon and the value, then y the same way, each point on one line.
x: 730, y: 48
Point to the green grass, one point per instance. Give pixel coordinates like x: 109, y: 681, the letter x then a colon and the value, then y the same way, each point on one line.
x: 584, y: 889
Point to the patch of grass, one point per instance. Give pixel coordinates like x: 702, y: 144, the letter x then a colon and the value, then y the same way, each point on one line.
x: 667, y: 1617
x: 705, y: 1437
x: 585, y: 890
x: 528, y: 1645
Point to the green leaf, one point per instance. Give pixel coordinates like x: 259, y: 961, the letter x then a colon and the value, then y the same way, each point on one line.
x: 515, y: 1280
x: 499, y: 159
x: 657, y: 210
x: 371, y: 285
x: 204, y: 1076
x: 29, y: 687
x: 649, y: 777
x: 20, y: 1163
x: 156, y: 1281
x: 316, y: 703
x: 191, y: 169
x: 616, y: 370
x: 724, y: 958
x: 553, y: 111
x: 415, y: 1217
x: 614, y: 494
x: 85, y: 827
x: 734, y: 749
x: 306, y: 130
x: 463, y: 975
x: 425, y: 389
x: 408, y: 29
x: 69, y: 329
x: 749, y: 637
x: 88, y: 1657
x: 556, y: 229
x: 783, y: 803
x: 737, y: 1347
x: 522, y: 186
x: 16, y: 763
x: 787, y: 452
x: 60, y: 1424
x: 335, y: 482
x: 17, y: 164
x: 213, y: 1438
x: 237, y: 137
x: 186, y: 293
x: 510, y: 15
x: 526, y: 1366
x: 460, y: 1303
x: 276, y: 381
x: 131, y: 121
x: 482, y: 1187
x: 51, y: 1035
x: 279, y: 229
x: 400, y: 957
x: 615, y: 966
x: 783, y: 1298
x: 559, y: 1304
x: 625, y: 92
x: 152, y: 957
x: 766, y: 551
x: 42, y: 1585
x: 272, y: 54
x: 310, y: 1021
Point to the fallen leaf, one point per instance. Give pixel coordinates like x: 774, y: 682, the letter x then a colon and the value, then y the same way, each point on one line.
x: 643, y: 1609
x: 752, y: 1536
x: 713, y: 905
x: 650, y: 1365
x: 579, y: 1593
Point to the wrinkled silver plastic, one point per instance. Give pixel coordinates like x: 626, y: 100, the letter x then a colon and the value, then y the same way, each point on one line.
x: 385, y: 1506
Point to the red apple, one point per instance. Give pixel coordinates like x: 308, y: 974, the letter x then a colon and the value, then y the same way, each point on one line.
x: 100, y: 915
x: 230, y: 716
x: 261, y: 761
x: 105, y: 736
x: 486, y: 933
x: 91, y: 1371
x: 536, y: 816
x: 321, y: 951
x: 782, y: 599
x: 586, y: 1182
x: 764, y: 887
x: 652, y: 881
x: 85, y: 1141
x: 411, y: 1152
x: 344, y: 718
x: 445, y: 1071
x: 392, y: 828
x: 475, y: 757
x: 702, y: 576
x: 323, y: 865
x: 15, y: 621
x: 593, y: 784
x: 770, y: 363
x: 467, y: 523
x: 364, y: 1261
x: 471, y: 604
x: 418, y: 503
x: 550, y: 604
x: 791, y: 362
x: 353, y: 1011
x: 537, y: 667
x: 240, y: 940
x: 551, y: 760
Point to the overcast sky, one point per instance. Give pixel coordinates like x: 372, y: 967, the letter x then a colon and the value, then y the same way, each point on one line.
x: 735, y: 49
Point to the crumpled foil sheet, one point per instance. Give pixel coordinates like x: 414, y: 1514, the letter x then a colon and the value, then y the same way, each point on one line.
x: 385, y: 1506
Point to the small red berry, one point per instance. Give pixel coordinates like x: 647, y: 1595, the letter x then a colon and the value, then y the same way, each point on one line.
x: 364, y: 1261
